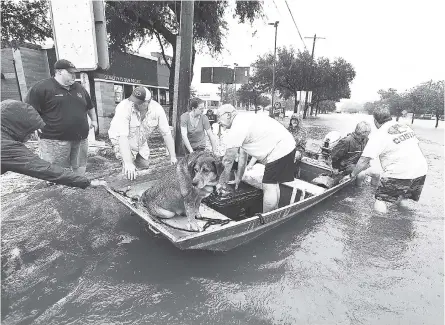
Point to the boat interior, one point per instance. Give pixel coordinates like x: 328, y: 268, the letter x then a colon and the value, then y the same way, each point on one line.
x: 214, y: 213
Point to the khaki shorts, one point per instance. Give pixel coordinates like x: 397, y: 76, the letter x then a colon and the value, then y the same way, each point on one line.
x: 66, y: 154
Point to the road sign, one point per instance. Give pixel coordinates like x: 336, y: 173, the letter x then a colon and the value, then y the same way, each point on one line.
x: 74, y: 32
x: 225, y: 75
x: 278, y: 110
x: 242, y: 75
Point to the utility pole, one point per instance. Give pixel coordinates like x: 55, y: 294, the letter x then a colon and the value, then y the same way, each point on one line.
x: 183, y: 71
x: 275, y: 24
x: 221, y: 100
x: 310, y: 73
x: 234, y: 80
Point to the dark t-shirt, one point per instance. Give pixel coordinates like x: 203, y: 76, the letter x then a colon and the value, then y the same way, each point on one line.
x: 64, y: 111
x: 196, y: 134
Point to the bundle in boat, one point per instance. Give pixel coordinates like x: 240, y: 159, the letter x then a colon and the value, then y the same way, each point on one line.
x: 237, y: 205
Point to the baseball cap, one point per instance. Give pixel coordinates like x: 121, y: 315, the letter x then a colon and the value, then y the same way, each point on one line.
x: 65, y: 64
x: 226, y: 108
x: 141, y: 93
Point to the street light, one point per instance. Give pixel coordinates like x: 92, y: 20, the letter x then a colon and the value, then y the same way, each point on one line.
x: 275, y: 24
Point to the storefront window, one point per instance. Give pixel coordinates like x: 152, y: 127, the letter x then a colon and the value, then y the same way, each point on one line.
x: 163, y: 97
x: 118, y: 93
x: 154, y: 93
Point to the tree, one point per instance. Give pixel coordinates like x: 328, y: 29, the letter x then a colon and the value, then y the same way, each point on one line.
x: 131, y: 21
x: 393, y: 100
x: 437, y: 99
x: 252, y: 94
x: 428, y: 97
x: 228, y: 93
x: 24, y: 21
x: 369, y: 107
x: 329, y: 81
x: 289, y: 74
x: 326, y: 106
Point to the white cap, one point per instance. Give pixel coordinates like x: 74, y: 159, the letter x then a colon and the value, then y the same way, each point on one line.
x: 226, y: 108
x: 147, y: 94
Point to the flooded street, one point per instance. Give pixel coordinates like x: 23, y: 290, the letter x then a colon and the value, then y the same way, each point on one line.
x: 80, y: 257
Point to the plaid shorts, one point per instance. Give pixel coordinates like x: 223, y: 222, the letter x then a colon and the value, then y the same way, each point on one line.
x: 391, y: 189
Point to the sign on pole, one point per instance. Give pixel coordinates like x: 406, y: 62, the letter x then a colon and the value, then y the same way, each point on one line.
x: 225, y: 75
x: 74, y: 32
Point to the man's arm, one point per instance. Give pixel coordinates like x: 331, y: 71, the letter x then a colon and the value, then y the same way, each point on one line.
x: 90, y: 110
x: 227, y: 162
x: 164, y: 129
x: 170, y: 144
x: 33, y: 98
x: 185, y: 139
x: 242, y: 163
x: 19, y: 159
x: 252, y: 162
x: 127, y: 158
x: 92, y: 114
x: 362, y: 164
x: 212, y: 139
x: 338, y: 152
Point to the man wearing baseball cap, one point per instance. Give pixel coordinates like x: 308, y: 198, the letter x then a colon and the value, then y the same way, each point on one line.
x: 63, y: 105
x: 134, y: 119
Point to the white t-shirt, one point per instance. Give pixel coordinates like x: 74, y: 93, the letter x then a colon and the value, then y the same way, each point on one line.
x: 260, y: 136
x: 398, y: 149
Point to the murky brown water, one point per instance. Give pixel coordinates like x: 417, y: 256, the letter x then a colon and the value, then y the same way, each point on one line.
x: 79, y: 257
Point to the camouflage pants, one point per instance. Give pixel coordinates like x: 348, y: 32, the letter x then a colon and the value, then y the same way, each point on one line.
x: 391, y: 189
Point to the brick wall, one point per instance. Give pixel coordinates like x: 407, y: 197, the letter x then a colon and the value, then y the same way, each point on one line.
x: 9, y: 87
x: 35, y: 65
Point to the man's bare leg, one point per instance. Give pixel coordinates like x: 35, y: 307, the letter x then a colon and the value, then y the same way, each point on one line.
x: 271, y: 197
x: 401, y: 203
x: 380, y: 206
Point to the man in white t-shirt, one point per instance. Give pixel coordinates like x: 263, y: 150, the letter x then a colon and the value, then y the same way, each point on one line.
x: 263, y: 138
x: 135, y: 118
x: 404, y: 165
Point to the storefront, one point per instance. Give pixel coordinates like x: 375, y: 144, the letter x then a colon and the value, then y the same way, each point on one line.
x: 23, y: 67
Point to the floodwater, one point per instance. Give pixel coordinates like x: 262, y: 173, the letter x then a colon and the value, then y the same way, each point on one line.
x: 79, y: 257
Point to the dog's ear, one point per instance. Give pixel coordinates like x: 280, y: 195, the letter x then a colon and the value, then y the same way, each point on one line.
x: 192, y: 159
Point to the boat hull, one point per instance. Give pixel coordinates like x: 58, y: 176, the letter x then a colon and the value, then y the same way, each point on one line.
x: 235, y: 233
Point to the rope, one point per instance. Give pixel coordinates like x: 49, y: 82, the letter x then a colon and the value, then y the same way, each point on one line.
x: 261, y: 218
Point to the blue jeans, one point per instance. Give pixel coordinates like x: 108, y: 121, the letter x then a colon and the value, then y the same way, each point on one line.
x: 66, y: 154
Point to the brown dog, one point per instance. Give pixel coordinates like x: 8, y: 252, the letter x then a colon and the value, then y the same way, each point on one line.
x: 183, y: 187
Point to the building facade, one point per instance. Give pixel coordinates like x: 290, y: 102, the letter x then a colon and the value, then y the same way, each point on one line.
x: 23, y: 67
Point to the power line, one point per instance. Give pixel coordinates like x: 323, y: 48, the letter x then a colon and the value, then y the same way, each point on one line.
x: 278, y: 10
x: 295, y: 24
